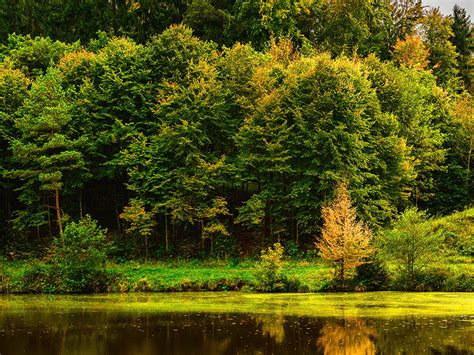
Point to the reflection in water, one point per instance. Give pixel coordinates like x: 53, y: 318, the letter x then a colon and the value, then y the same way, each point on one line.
x: 55, y: 331
x: 272, y: 326
x: 347, y: 336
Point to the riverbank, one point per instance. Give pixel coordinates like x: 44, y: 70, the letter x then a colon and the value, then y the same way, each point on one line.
x: 454, y: 274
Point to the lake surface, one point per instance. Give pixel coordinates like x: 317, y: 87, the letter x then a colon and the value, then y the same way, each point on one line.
x: 238, y: 323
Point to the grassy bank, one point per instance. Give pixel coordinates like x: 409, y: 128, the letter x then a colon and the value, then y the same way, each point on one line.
x: 454, y: 274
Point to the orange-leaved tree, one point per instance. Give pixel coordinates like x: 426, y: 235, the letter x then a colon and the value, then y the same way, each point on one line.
x: 345, y: 241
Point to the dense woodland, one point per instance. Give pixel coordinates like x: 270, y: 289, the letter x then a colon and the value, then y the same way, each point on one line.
x: 217, y: 127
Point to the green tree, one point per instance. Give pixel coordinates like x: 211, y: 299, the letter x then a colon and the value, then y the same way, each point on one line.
x: 463, y: 39
x: 47, y: 154
x: 33, y: 55
x: 178, y: 169
x: 353, y: 26
x: 410, y: 96
x: 341, y: 133
x: 436, y: 31
x: 413, y: 242
x: 140, y: 221
x: 13, y: 90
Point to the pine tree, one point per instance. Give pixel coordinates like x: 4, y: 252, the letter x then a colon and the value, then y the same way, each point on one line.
x: 463, y: 40
x: 46, y: 154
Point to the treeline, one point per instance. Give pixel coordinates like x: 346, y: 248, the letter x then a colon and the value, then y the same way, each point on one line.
x: 182, y: 146
x: 339, y: 27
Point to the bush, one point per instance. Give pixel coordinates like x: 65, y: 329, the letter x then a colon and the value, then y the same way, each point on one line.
x: 40, y: 278
x: 413, y: 243
x: 268, y: 271
x: 371, y: 276
x: 81, y: 257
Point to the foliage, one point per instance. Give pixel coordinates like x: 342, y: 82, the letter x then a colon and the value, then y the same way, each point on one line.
x: 268, y: 270
x: 345, y: 242
x: 412, y: 243
x: 140, y: 222
x: 221, y: 126
x: 463, y: 39
x: 371, y: 276
x: 81, y: 260
x: 46, y: 154
x: 411, y: 52
x: 437, y: 31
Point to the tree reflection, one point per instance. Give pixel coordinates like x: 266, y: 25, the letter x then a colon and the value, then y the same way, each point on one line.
x: 272, y: 325
x: 347, y: 336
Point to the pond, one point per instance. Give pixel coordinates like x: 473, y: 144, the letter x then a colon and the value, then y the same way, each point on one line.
x: 238, y: 323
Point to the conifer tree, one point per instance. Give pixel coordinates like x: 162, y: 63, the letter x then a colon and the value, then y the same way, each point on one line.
x: 46, y: 154
x: 345, y: 241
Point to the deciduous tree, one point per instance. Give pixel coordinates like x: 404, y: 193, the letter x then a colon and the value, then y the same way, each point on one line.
x: 345, y: 241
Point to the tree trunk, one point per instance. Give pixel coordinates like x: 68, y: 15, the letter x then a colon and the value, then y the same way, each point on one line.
x: 58, y: 216
x: 146, y: 249
x: 80, y: 205
x: 297, y: 233
x: 202, y: 234
x: 166, y: 233
x: 117, y: 215
x: 8, y: 206
x: 342, y: 274
x: 50, y: 229
x: 469, y: 155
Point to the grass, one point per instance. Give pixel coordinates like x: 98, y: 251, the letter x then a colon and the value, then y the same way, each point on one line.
x: 214, y: 276
x: 36, y: 276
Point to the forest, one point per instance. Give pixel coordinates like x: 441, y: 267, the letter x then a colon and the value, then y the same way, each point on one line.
x: 187, y: 130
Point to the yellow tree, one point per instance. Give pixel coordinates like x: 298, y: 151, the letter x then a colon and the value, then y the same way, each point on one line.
x: 411, y: 53
x: 345, y: 241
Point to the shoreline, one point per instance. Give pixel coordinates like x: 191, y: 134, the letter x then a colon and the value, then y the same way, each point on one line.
x: 35, y: 277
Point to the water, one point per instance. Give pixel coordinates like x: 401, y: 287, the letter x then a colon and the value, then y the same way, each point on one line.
x: 236, y: 323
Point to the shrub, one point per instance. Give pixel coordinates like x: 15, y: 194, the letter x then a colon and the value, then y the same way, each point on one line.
x: 81, y: 261
x: 40, y: 278
x: 371, y: 276
x: 413, y: 243
x: 268, y: 271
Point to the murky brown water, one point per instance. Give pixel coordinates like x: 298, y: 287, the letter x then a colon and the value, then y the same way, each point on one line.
x: 29, y: 328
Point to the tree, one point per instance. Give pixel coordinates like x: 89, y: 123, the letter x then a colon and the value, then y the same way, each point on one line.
x: 353, y: 26
x: 412, y: 244
x: 463, y: 40
x: 405, y: 16
x: 46, y: 154
x: 410, y: 97
x: 411, y: 52
x: 13, y: 91
x: 436, y: 32
x: 140, y: 221
x: 34, y: 55
x: 345, y: 241
x: 464, y: 116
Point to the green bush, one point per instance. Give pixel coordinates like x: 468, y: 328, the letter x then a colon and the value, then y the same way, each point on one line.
x: 371, y: 276
x: 413, y: 243
x: 81, y: 257
x: 40, y: 278
x: 268, y: 271
x: 4, y: 278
